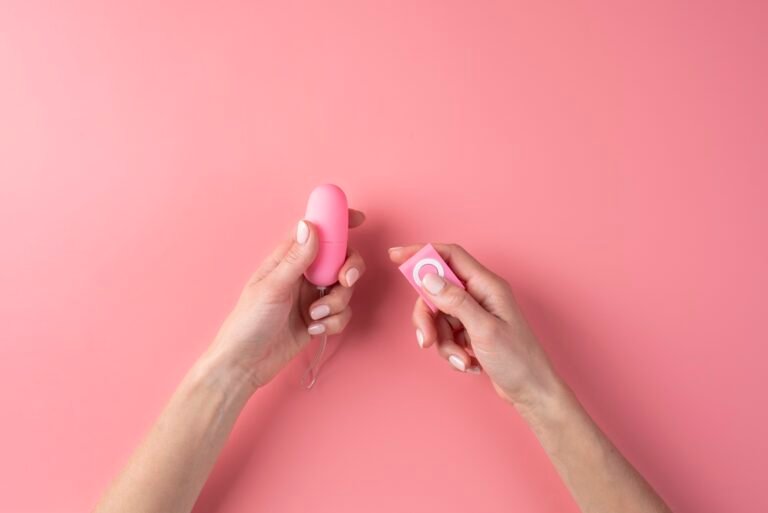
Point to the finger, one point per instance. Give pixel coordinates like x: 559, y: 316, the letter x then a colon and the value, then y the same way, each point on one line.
x: 448, y: 348
x: 352, y: 270
x: 455, y: 301
x: 488, y: 289
x: 356, y: 218
x: 475, y: 367
x: 454, y: 322
x: 271, y: 261
x: 331, y: 325
x: 462, y: 338
x: 299, y: 255
x: 330, y: 304
x: 426, y: 333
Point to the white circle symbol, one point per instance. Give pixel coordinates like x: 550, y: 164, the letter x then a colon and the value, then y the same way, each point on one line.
x: 427, y: 261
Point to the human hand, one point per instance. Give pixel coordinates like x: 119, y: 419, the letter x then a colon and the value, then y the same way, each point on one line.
x: 480, y: 328
x: 279, y: 310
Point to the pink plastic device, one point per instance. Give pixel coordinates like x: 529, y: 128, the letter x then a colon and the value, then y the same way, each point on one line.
x: 327, y: 210
x: 427, y: 260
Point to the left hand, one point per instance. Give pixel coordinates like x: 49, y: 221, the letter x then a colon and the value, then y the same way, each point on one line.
x: 279, y: 310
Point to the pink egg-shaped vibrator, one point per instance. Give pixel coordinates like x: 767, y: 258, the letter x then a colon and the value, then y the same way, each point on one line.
x: 327, y: 210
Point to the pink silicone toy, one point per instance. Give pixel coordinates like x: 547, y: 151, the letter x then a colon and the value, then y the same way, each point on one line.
x: 327, y: 210
x: 427, y: 260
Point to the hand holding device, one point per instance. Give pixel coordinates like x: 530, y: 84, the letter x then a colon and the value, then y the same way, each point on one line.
x: 279, y: 310
x: 424, y: 261
x: 474, y: 320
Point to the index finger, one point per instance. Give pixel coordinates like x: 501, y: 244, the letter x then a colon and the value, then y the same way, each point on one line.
x: 356, y: 218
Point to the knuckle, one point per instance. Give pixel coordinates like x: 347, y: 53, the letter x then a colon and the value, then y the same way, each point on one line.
x: 421, y: 312
x: 442, y: 350
x: 457, y: 248
x: 457, y: 299
x: 338, y: 304
x: 491, y: 331
x: 341, y: 320
x: 333, y: 302
x: 500, y: 288
x: 453, y: 322
x: 294, y: 255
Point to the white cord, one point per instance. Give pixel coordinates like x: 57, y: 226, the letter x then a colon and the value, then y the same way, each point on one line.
x: 311, y: 373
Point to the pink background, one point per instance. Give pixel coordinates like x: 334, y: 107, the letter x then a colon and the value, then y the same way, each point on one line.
x: 608, y: 158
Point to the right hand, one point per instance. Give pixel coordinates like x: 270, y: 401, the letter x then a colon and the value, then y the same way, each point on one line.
x: 480, y: 328
x: 279, y: 310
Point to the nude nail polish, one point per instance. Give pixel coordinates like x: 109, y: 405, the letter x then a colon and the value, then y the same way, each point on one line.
x: 316, y: 329
x: 319, y: 312
x: 420, y: 338
x: 302, y: 232
x: 457, y: 362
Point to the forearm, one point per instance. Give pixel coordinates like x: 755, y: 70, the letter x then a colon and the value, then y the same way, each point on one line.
x: 167, y: 471
x: 597, y: 475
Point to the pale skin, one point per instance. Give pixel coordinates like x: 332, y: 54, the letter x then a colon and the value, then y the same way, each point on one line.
x: 480, y: 330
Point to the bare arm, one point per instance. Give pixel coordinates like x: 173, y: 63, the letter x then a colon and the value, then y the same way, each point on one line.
x: 271, y: 323
x: 597, y: 475
x: 168, y: 469
x: 482, y: 330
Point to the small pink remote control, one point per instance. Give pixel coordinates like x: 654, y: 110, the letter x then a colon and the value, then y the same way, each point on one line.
x: 427, y: 260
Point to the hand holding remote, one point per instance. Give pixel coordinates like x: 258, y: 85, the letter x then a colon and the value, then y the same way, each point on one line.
x: 480, y: 328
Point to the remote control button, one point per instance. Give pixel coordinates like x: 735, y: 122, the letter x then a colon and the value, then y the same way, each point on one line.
x: 427, y: 262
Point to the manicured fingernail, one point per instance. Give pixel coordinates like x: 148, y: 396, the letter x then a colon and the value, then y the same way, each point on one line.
x: 316, y: 328
x: 433, y: 283
x: 352, y: 275
x: 302, y: 232
x: 319, y: 311
x: 475, y: 369
x: 420, y: 338
x: 396, y: 248
x: 457, y: 362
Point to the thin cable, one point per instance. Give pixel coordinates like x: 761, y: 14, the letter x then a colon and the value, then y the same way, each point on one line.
x: 313, y: 370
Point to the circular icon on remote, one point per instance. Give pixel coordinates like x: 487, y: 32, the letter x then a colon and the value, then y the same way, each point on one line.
x: 424, y: 262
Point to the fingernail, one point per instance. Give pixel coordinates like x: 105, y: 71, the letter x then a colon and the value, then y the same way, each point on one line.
x: 302, y: 232
x: 457, y: 362
x: 420, y: 338
x: 316, y: 328
x: 396, y: 248
x: 475, y: 369
x: 319, y: 312
x: 433, y: 283
x: 352, y: 275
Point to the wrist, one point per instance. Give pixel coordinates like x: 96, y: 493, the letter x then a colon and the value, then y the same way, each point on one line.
x: 547, y: 404
x: 222, y: 374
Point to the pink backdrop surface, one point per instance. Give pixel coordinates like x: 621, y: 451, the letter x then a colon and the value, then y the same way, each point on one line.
x: 608, y: 158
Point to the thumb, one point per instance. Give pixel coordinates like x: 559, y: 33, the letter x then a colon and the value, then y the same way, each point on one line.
x: 300, y: 254
x: 454, y: 301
